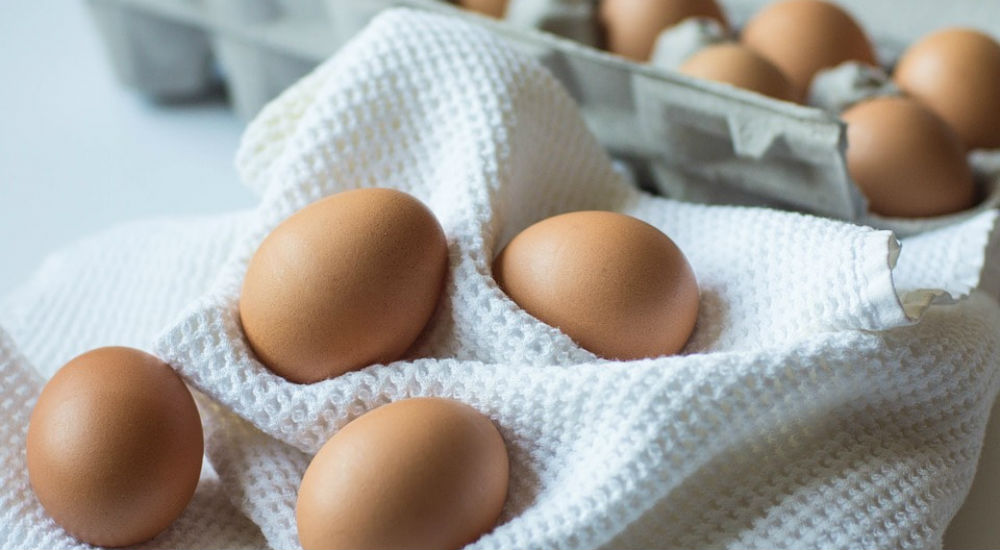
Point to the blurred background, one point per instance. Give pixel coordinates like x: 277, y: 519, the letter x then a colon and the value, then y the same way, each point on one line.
x: 79, y: 152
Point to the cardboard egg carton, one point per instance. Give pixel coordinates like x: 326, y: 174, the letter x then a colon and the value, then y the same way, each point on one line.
x: 177, y: 49
x: 690, y: 139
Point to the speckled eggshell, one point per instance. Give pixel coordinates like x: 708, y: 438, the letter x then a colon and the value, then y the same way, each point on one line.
x: 616, y: 285
x: 417, y: 473
x: 632, y: 26
x: 493, y: 8
x: 114, y: 447
x: 956, y: 73
x: 803, y: 37
x: 741, y: 67
x: 348, y: 281
x: 906, y: 160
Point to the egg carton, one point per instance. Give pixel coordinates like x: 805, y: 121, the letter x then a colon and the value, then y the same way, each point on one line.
x: 177, y: 49
x: 687, y: 138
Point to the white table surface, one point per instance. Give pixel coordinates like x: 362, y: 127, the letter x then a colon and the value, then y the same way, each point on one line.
x: 78, y: 153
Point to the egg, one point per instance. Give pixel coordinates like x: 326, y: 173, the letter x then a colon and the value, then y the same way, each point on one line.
x: 494, y: 8
x: 906, y: 160
x: 114, y: 447
x: 348, y: 281
x: 417, y: 473
x: 803, y: 37
x: 956, y: 73
x: 741, y: 67
x: 632, y: 26
x: 616, y: 285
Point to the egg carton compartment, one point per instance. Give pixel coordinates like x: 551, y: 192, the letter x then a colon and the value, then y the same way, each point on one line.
x: 732, y: 146
x: 256, y: 74
x: 163, y: 57
x: 176, y: 49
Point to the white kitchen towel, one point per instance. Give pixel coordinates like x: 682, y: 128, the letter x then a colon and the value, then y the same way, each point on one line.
x: 116, y: 287
x: 811, y: 408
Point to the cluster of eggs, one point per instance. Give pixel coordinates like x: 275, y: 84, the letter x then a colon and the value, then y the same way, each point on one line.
x: 115, y: 440
x: 906, y: 154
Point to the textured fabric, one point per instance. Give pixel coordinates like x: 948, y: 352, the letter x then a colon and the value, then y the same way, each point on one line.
x: 822, y: 402
x: 117, y: 287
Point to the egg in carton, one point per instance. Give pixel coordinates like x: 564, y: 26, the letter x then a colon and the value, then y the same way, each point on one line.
x: 834, y: 90
x: 850, y: 84
x: 839, y: 88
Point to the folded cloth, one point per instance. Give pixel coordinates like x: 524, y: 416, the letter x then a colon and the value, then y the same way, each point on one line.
x: 825, y: 399
x: 120, y: 286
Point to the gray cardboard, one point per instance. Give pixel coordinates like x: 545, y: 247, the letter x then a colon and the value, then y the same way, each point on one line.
x: 136, y: 39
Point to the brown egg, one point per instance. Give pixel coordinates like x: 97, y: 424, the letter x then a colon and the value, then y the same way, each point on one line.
x: 617, y: 286
x: 956, y: 73
x: 742, y: 67
x: 906, y: 160
x: 417, y: 473
x: 493, y: 8
x: 346, y: 282
x: 632, y: 26
x: 803, y: 37
x: 114, y: 447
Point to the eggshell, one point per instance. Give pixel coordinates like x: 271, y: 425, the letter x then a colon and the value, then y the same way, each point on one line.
x: 114, y: 447
x: 617, y: 286
x: 632, y: 26
x: 417, y: 473
x: 494, y: 8
x: 803, y: 37
x: 906, y: 160
x: 956, y: 73
x: 346, y: 282
x: 741, y: 67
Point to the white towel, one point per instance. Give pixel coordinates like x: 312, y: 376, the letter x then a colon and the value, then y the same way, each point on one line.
x: 822, y: 401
